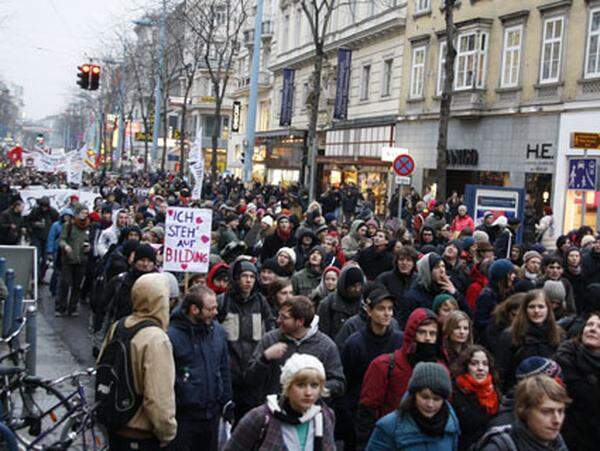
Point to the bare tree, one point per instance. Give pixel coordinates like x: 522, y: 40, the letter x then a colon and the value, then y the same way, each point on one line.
x: 218, y: 25
x: 446, y: 102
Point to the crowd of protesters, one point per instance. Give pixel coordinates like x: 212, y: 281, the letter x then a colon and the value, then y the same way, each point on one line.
x: 323, y: 326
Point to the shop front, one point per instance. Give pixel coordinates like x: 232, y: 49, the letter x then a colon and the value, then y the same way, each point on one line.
x: 353, y: 155
x: 514, y: 150
x: 577, y: 187
x: 278, y: 156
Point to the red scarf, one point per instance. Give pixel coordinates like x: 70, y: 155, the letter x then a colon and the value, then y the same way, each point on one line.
x: 484, y: 390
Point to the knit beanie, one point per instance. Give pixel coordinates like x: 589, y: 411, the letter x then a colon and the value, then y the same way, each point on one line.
x: 297, y: 363
x: 555, y: 290
x: 270, y: 264
x: 500, y: 269
x: 434, y: 259
x: 481, y: 237
x: 145, y: 251
x: 159, y: 232
x: 440, y: 299
x: 242, y: 266
x: 289, y: 251
x: 335, y: 269
x: 354, y: 275
x: 432, y: 376
x: 531, y: 254
x: 535, y: 365
x: 539, y: 248
x: 268, y: 220
x: 466, y: 243
x: 318, y: 248
x: 588, y: 239
x: 329, y: 217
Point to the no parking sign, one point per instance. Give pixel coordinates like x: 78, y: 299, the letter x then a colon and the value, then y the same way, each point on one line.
x: 404, y: 165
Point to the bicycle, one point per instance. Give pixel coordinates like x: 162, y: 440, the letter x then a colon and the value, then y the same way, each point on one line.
x: 81, y: 431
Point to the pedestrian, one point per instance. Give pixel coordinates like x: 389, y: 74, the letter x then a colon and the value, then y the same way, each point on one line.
x: 355, y: 240
x: 202, y: 376
x: 153, y: 370
x: 294, y: 420
x: 328, y: 285
x: 39, y: 221
x: 443, y: 305
x: 286, y: 260
x: 457, y: 335
x: 378, y: 258
x: 12, y: 222
x: 283, y: 236
x: 424, y: 420
x: 400, y: 278
x: 308, y: 278
x: 501, y: 319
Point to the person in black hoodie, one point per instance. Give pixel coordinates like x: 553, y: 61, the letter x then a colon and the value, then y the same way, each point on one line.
x: 399, y: 280
x: 574, y: 274
x: 342, y: 304
x: 306, y: 241
x: 246, y: 316
x: 282, y: 237
x: 377, y: 258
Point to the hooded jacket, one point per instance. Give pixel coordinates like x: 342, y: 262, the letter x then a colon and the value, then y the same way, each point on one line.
x: 305, y: 281
x: 202, y: 377
x: 375, y: 262
x: 245, y: 320
x: 337, y: 307
x: 302, y: 252
x: 152, y: 362
x: 265, y: 374
x: 397, y: 285
x: 210, y: 283
x: 109, y: 236
x: 381, y: 394
x: 352, y: 242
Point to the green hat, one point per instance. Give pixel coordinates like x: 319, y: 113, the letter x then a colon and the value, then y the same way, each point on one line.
x: 440, y: 299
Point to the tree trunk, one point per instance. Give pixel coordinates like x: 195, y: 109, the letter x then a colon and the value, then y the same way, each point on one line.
x: 165, y: 133
x: 446, y: 102
x: 214, y: 139
x: 146, y: 148
x: 182, y: 154
x: 312, y: 121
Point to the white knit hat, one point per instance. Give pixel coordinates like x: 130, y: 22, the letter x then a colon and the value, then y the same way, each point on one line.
x: 289, y: 251
x: 299, y: 362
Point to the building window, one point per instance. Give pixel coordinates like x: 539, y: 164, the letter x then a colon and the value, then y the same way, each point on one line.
x: 285, y: 33
x: 441, y: 79
x: 417, y: 73
x: 386, y: 85
x: 422, y: 6
x: 304, y: 95
x: 511, y: 58
x: 365, y: 82
x: 471, y: 60
x: 592, y: 64
x: 298, y: 28
x: 551, y: 50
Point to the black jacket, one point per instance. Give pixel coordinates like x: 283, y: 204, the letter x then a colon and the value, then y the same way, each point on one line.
x: 374, y: 262
x: 273, y: 243
x: 39, y: 222
x: 472, y: 416
x: 590, y: 264
x: 397, y: 285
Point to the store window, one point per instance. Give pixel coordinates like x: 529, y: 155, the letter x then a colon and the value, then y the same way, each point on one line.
x: 551, y: 50
x: 592, y: 65
x: 511, y: 58
x: 581, y: 208
x: 417, y: 73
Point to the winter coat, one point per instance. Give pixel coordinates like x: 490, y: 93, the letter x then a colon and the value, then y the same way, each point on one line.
x: 517, y: 437
x: 54, y: 238
x: 503, y: 243
x: 579, y: 288
x: 360, y: 349
x: 508, y: 356
x: 39, y: 222
x: 337, y: 308
x: 355, y: 324
x: 397, y: 285
x: 459, y: 223
x: 300, y: 250
x: 546, y: 232
x: 590, y: 264
x: 458, y: 275
x: 506, y: 410
x: 375, y: 262
x: 435, y: 222
x: 265, y: 374
x: 108, y: 237
x: 75, y: 237
x: 353, y: 242
x: 398, y: 431
x: 151, y: 362
x: 305, y: 281
x: 485, y: 304
x: 263, y: 422
x: 273, y: 243
x: 226, y: 236
x: 478, y: 282
x: 117, y: 293
x: 472, y: 416
x: 382, y: 390
x: 581, y: 375
x: 8, y: 234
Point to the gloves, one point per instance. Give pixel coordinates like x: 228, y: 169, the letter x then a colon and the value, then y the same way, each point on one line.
x: 228, y: 413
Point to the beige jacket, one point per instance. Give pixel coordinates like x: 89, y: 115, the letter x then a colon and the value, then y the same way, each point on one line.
x: 152, y: 361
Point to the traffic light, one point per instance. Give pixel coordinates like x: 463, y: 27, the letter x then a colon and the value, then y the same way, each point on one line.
x: 84, y: 76
x: 95, y: 78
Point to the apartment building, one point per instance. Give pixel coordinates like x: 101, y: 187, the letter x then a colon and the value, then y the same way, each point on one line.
x: 521, y: 65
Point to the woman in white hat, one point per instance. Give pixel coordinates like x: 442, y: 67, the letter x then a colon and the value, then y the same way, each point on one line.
x: 296, y: 420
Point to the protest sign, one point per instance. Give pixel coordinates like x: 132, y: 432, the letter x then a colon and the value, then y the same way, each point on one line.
x: 74, y: 168
x: 59, y: 198
x: 187, y: 239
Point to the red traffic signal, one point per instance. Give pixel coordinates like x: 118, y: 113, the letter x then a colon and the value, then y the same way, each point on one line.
x: 94, y: 77
x: 84, y: 76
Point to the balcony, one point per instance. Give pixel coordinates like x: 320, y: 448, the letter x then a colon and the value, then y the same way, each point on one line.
x: 265, y: 79
x: 249, y: 38
x: 268, y: 30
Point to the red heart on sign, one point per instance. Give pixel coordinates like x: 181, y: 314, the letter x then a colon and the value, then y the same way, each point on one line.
x: 205, y: 239
x: 199, y: 220
x: 170, y: 212
x: 184, y: 266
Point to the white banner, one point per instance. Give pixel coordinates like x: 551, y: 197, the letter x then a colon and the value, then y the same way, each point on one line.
x: 74, y: 168
x: 50, y: 163
x: 196, y: 160
x: 59, y: 198
x: 187, y: 239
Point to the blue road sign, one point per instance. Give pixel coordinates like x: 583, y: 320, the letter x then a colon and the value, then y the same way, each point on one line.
x: 582, y: 173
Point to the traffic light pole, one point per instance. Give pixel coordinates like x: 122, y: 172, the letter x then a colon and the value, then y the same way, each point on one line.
x: 253, y: 100
x: 158, y: 90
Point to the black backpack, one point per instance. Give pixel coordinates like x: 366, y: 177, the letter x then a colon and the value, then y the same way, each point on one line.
x: 116, y: 399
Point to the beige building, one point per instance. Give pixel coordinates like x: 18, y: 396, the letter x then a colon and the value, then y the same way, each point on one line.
x: 520, y: 65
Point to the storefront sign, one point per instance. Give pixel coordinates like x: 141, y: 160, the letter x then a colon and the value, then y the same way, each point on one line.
x: 235, y: 116
x: 580, y: 140
x: 539, y: 157
x: 462, y: 157
x: 582, y: 173
x: 390, y: 153
x: 287, y: 98
x: 187, y: 239
x: 342, y: 87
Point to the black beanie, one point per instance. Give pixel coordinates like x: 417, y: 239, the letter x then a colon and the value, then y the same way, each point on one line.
x: 434, y: 259
x: 129, y: 246
x: 354, y: 275
x: 145, y: 251
x: 271, y: 264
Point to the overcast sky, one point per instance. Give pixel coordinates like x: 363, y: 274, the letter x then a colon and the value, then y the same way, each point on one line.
x: 43, y: 41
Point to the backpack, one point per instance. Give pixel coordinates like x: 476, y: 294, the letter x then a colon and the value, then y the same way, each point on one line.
x: 115, y: 395
x: 500, y: 436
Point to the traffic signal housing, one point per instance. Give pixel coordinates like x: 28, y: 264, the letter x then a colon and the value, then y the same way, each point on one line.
x: 94, y: 77
x: 84, y: 76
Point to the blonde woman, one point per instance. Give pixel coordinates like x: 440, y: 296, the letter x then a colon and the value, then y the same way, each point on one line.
x: 457, y: 335
x: 296, y: 420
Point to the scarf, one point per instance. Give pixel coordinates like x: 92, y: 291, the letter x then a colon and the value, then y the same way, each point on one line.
x: 574, y: 270
x: 591, y: 358
x: 484, y: 390
x: 284, y: 236
x: 526, y: 440
x: 434, y: 426
x: 283, y: 411
x: 424, y: 352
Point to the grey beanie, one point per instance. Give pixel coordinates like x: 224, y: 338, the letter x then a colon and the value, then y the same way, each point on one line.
x: 432, y: 376
x: 555, y: 290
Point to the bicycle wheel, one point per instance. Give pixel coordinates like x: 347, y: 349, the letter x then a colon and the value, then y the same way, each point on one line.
x: 35, y: 408
x: 82, y: 433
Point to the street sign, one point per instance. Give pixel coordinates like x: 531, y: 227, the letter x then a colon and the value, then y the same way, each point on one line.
x: 390, y: 153
x: 580, y: 140
x: 401, y: 180
x: 404, y: 165
x: 582, y: 173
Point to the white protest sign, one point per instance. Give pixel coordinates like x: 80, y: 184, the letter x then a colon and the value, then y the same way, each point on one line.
x: 187, y: 239
x: 197, y: 170
x: 49, y: 163
x: 59, y: 198
x: 74, y: 168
